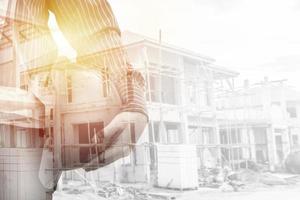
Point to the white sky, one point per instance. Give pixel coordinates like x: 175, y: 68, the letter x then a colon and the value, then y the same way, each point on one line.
x: 255, y: 37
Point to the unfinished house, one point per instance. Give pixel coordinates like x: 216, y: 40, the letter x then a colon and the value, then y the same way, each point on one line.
x: 181, y: 106
x: 82, y: 106
x: 78, y: 101
x: 260, y: 121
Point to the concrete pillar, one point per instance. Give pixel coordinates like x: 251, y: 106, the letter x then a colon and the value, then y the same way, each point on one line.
x: 286, y: 142
x: 182, y: 101
x: 252, y: 143
x: 184, y: 130
x: 271, y: 148
x: 218, y: 142
x: 245, y: 140
x: 163, y: 138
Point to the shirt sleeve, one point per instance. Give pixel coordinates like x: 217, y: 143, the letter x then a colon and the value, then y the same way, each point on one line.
x: 92, y: 30
x: 133, y: 93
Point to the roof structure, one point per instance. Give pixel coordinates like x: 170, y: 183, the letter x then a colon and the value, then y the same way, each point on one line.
x: 132, y: 39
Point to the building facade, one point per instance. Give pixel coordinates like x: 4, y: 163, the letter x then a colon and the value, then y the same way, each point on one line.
x: 180, y: 94
x: 190, y: 100
x: 262, y: 120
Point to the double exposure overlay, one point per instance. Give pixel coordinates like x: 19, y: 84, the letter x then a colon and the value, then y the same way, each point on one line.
x: 89, y: 110
x: 58, y: 115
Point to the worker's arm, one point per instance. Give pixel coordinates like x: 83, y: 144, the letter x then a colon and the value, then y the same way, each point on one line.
x: 118, y: 138
x: 92, y: 30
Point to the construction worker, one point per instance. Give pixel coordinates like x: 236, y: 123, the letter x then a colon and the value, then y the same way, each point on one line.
x: 90, y: 27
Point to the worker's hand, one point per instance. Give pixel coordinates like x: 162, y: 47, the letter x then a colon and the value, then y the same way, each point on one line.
x: 119, y: 128
x: 117, y: 137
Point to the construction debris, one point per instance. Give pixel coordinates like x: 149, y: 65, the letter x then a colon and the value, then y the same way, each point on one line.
x: 212, y: 177
x: 112, y: 191
x: 292, y: 162
x: 229, y: 181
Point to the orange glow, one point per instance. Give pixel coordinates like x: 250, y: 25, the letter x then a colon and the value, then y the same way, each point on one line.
x: 63, y: 46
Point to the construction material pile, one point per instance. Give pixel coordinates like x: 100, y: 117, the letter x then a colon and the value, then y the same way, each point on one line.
x: 227, y: 180
x: 108, y: 191
x: 117, y: 192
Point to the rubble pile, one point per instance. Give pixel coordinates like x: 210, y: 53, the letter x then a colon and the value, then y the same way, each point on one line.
x: 116, y: 192
x: 112, y: 191
x: 228, y: 180
x: 214, y: 177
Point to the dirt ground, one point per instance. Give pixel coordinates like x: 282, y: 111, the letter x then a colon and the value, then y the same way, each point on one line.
x: 271, y: 193
x: 274, y: 193
x: 250, y: 191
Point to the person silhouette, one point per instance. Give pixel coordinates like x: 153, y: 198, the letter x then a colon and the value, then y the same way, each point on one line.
x: 92, y: 30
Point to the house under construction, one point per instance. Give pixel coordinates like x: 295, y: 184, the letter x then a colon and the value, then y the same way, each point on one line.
x: 262, y: 122
x: 197, y: 118
x: 182, y: 116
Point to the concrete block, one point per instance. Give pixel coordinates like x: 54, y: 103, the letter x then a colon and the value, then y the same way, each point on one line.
x: 18, y: 176
x: 177, y: 167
